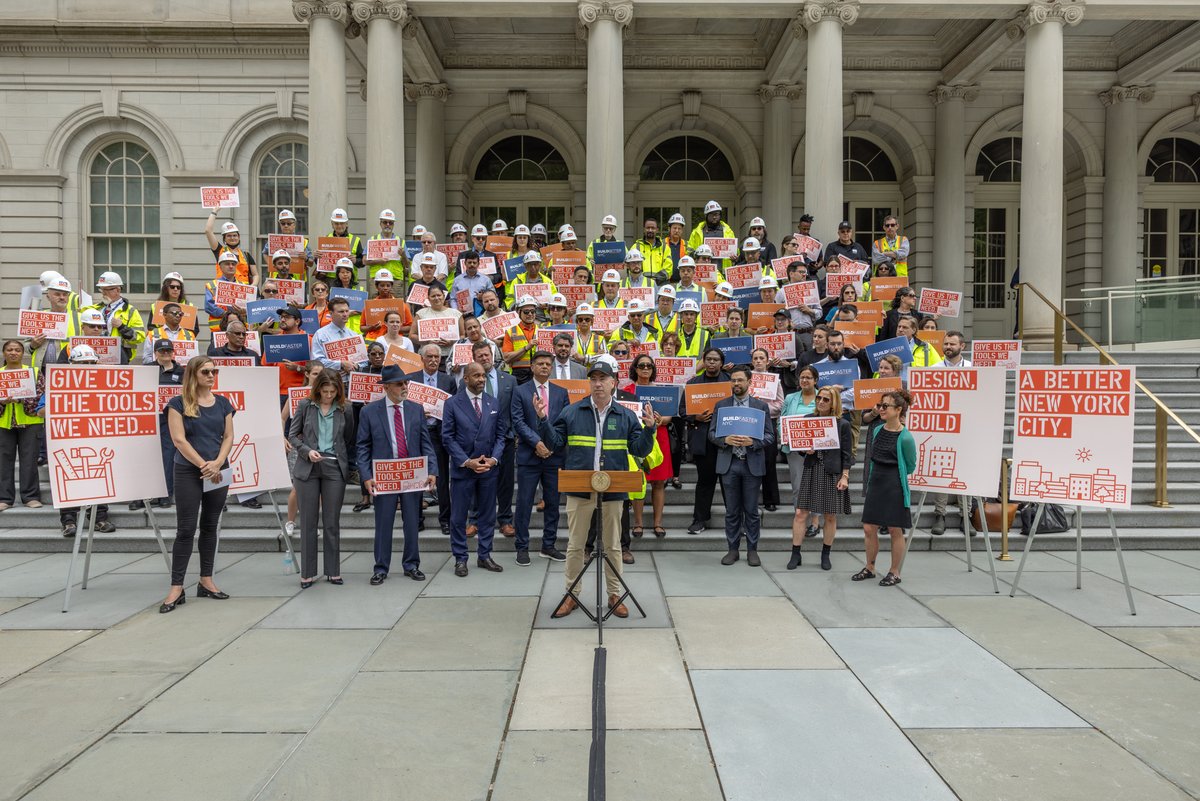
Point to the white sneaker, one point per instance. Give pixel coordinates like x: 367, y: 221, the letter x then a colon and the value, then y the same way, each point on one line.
x: 290, y: 528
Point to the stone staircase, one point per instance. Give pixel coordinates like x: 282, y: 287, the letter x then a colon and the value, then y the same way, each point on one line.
x: 1174, y: 377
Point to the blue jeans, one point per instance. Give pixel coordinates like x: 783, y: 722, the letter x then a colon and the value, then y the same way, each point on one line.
x: 528, y: 478
x: 741, y: 504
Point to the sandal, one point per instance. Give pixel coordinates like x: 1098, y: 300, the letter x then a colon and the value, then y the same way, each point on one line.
x: 636, y: 531
x: 306, y: 583
x: 659, y: 531
x: 863, y: 575
x: 335, y: 580
x: 889, y: 580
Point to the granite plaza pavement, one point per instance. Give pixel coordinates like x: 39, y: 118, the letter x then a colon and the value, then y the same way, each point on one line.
x: 753, y: 684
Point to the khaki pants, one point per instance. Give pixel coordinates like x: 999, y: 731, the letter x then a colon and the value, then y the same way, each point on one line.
x: 579, y: 520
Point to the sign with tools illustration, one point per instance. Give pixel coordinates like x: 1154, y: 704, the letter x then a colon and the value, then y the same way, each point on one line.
x: 258, y: 459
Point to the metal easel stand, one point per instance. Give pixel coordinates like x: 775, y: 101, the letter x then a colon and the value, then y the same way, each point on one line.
x: 1112, y: 527
x: 162, y: 545
x: 908, y: 537
x: 966, y: 528
x: 287, y: 541
x: 603, y: 562
x: 91, y: 532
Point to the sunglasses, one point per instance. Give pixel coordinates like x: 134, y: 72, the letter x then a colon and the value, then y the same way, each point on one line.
x: 270, y: 291
x: 645, y: 366
x: 620, y: 353
x: 320, y: 291
x: 212, y: 371
x: 891, y: 225
x: 885, y: 406
x: 175, y: 286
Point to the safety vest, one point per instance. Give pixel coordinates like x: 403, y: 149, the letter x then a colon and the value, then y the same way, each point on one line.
x: 603, y: 303
x: 882, y: 245
x: 515, y: 340
x: 524, y: 279
x: 655, y: 258
x: 625, y: 333
x: 13, y: 412
x: 645, y: 280
x: 126, y: 315
x: 656, y: 322
x: 396, y: 268
x: 653, y: 460
x: 692, y: 345
x: 160, y: 332
x: 243, y: 266
x: 696, y: 239
x: 924, y: 355
x: 355, y: 249
x: 594, y: 346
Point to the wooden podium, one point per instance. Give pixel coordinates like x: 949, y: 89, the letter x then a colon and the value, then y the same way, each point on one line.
x: 599, y: 480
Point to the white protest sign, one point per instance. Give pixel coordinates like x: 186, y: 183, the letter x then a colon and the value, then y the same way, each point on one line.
x: 219, y: 197
x: 431, y: 398
x: 350, y: 349
x: 942, y: 302
x: 393, y: 476
x: 48, y: 324
x: 18, y: 384
x: 803, y: 293
x: 108, y: 349
x: 778, y: 346
x: 996, y: 353
x: 674, y: 370
x: 764, y: 386
x: 810, y: 433
x: 957, y: 424
x: 364, y: 388
x: 258, y: 459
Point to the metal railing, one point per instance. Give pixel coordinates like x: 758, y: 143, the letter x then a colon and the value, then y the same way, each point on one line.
x: 1147, y: 308
x: 1162, y: 412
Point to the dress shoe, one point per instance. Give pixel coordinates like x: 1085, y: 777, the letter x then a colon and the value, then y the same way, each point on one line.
x: 105, y: 527
x: 415, y: 574
x: 68, y: 530
x: 770, y: 507
x: 730, y: 558
x: 752, y: 558
x: 460, y: 569
x: 252, y: 504
x: 180, y: 601
x: 378, y: 579
x: 336, y: 580
x: 508, y: 530
x: 627, y: 556
x: 362, y: 505
x: 489, y: 564
x: 618, y: 609
x: 552, y: 554
x: 472, y: 530
x: 446, y: 529
x: 216, y: 595
x: 523, y: 558
x: 135, y: 505
x: 565, y: 608
x: 696, y: 527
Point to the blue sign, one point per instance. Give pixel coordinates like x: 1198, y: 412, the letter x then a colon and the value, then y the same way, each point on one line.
x: 411, y: 248
x: 608, y: 252
x: 356, y: 297
x: 740, y: 421
x: 842, y: 373
x: 696, y: 295
x: 746, y: 295
x: 664, y: 400
x: 899, y: 346
x: 737, y: 350
x: 285, y: 348
x: 513, y: 267
x: 310, y: 321
x: 260, y: 311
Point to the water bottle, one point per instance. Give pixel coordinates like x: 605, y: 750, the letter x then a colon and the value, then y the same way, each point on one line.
x: 287, y: 563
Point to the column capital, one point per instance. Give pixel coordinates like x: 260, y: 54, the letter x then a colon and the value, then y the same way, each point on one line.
x: 844, y: 12
x: 780, y: 91
x: 307, y: 10
x: 1122, y: 94
x: 416, y: 91
x: 364, y: 11
x: 1067, y: 12
x: 964, y: 92
x: 619, y: 11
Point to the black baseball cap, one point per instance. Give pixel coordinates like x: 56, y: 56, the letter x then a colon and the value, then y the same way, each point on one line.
x: 844, y: 224
x: 291, y: 311
x: 163, y: 344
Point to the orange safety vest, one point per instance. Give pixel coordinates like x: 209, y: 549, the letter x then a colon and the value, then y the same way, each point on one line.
x: 243, y: 267
x: 515, y: 339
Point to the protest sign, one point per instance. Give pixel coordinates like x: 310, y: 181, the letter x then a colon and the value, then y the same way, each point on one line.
x: 540, y: 292
x: 219, y: 197
x: 291, y: 291
x: 664, y: 400
x: 513, y: 267
x: 723, y: 247
x: 608, y: 252
x: 408, y: 361
x: 462, y: 301
x: 279, y: 348
x: 411, y: 248
x: 187, y: 321
x: 487, y: 265
x: 941, y: 302
x: 744, y: 296
x: 778, y: 346
x: 849, y: 266
x: 645, y: 294
x: 706, y: 273
x: 957, y: 422
x: 495, y: 327
x: 310, y: 321
x: 220, y: 339
x: 809, y: 433
x: 744, y: 275
x: 329, y: 250
x: 899, y: 346
x: 606, y: 320
x: 498, y: 243
x: 934, y: 338
x: 762, y: 315
x: 394, y: 476
x: 733, y: 421
x: 435, y: 328
x: 712, y: 314
x: 699, y: 398
x: 184, y: 351
x: 576, y: 294
x: 675, y: 370
x: 577, y: 388
x: 867, y: 391
x: 292, y: 243
x: 431, y: 398
x: 233, y: 361
x: 108, y: 349
x: 461, y: 354
x: 835, y: 281
x: 545, y: 337
x: 351, y: 349
x: 649, y: 347
x: 418, y: 295
x: 842, y: 373
x: 451, y: 251
x: 166, y: 392
x: 357, y: 298
x: 379, y: 250
x: 802, y: 293
x: 694, y: 295
x: 258, y: 461
x: 885, y: 288
x: 374, y: 311
x: 736, y: 349
x: 996, y: 353
x: 48, y: 324
x: 261, y: 311
x: 364, y: 388
x: 856, y: 334
x: 764, y: 386
x: 636, y: 408
x: 231, y: 293
x: 295, y: 395
x: 871, y: 312
x: 779, y: 266
x: 808, y: 246
x: 18, y: 384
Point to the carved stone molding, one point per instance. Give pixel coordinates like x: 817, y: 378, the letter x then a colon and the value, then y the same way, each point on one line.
x: 864, y: 102
x: 844, y: 12
x: 415, y: 91
x: 1068, y: 12
x: 619, y: 11
x: 364, y: 11
x: 518, y: 102
x: 306, y: 10
x: 1122, y: 94
x: 944, y: 92
x: 786, y: 91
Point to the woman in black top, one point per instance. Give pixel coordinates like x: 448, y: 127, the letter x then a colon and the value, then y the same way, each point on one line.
x: 201, y: 426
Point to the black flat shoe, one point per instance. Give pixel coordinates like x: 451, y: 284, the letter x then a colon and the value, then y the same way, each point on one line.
x: 335, y: 580
x: 306, y: 583
x: 361, y: 505
x: 205, y: 592
x: 180, y: 601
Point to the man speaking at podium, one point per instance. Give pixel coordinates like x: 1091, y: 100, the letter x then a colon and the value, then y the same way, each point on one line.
x: 576, y: 428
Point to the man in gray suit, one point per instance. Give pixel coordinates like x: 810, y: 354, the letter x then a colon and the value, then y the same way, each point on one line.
x: 741, y: 465
x: 563, y: 365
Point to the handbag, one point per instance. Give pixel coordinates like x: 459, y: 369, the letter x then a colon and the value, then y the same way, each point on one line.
x: 1054, y: 519
x: 992, y: 511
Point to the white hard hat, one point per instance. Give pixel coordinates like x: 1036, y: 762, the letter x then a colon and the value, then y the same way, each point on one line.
x: 387, y: 214
x: 59, y: 283
x: 633, y: 254
x: 538, y: 228
x: 229, y: 228
x: 428, y: 258
x: 563, y: 229
x: 479, y: 230
x: 528, y: 300
x: 499, y: 226
x: 666, y: 291
x: 226, y: 256
x: 557, y: 300
x: 584, y: 310
x: 344, y: 262
x: 609, y: 220
x: 48, y: 276
x: 172, y: 276
x: 83, y: 353
x: 768, y: 282
x: 419, y: 230
x: 635, y: 307
x: 686, y: 261
x: 567, y: 235
x: 704, y: 250
x: 676, y: 218
x: 280, y: 254
x: 711, y: 206
x: 384, y: 275
x: 689, y: 305
x: 758, y: 222
x: 611, y: 276
x: 458, y: 228
x: 724, y: 289
x: 339, y: 215
x: 109, y: 279
x: 91, y: 317
x: 286, y: 214
x: 531, y: 256
x: 521, y: 230
x: 750, y: 244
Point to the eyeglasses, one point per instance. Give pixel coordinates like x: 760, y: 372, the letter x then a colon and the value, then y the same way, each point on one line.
x: 885, y: 406
x: 645, y: 366
x: 211, y: 371
x: 891, y: 225
x: 317, y: 290
x: 173, y: 313
x: 824, y: 399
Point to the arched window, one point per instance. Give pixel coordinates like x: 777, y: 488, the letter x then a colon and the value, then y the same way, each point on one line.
x: 686, y: 158
x: 1000, y: 160
x: 1174, y: 160
x: 123, y: 215
x: 282, y: 183
x: 521, y: 158
x: 863, y: 160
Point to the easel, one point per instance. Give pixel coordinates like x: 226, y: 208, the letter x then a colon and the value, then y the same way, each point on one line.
x: 89, y: 512
x: 1112, y: 527
x: 966, y: 529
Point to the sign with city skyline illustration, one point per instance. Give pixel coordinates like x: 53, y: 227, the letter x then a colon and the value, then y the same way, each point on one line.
x: 957, y: 422
x: 1073, y: 436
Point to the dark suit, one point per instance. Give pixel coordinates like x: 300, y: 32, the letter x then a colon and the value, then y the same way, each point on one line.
x: 375, y: 442
x: 703, y: 454
x: 446, y: 384
x: 741, y: 477
x: 533, y: 468
x: 506, y: 386
x: 575, y: 370
x: 466, y: 436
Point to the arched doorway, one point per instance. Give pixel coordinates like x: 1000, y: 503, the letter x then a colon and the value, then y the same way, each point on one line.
x: 522, y: 179
x: 871, y: 189
x: 679, y: 175
x: 995, y: 236
x: 1171, y: 212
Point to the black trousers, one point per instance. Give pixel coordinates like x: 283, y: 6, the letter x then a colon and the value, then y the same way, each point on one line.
x: 191, y: 502
x: 443, y: 476
x: 706, y: 482
x: 678, y: 433
x: 770, y: 482
x: 23, y: 443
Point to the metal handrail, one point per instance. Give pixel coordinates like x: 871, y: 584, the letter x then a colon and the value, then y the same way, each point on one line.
x: 1162, y: 412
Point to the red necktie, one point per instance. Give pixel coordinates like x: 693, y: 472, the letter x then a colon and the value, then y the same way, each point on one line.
x: 401, y: 437
x: 542, y: 395
x: 478, y: 410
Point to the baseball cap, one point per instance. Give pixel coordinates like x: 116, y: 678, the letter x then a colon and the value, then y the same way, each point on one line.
x: 844, y: 224
x: 605, y: 365
x: 291, y: 311
x: 163, y: 344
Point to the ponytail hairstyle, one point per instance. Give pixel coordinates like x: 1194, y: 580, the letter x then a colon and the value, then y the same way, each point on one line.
x: 191, y: 384
x: 900, y: 397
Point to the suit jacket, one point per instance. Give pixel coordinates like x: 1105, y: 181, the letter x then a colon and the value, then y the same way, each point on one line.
x: 375, y: 441
x: 756, y: 460
x: 698, y: 444
x: 302, y: 433
x: 506, y: 385
x: 466, y: 436
x: 576, y: 371
x: 525, y: 423
x: 445, y: 383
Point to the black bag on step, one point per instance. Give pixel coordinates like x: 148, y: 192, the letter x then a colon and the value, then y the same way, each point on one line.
x: 1054, y: 519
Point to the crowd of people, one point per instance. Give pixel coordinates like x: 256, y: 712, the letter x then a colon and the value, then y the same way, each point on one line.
x: 467, y: 318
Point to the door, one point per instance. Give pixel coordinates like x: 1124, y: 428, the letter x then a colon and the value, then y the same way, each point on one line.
x: 661, y: 199
x: 544, y: 211
x: 866, y: 209
x: 995, y: 248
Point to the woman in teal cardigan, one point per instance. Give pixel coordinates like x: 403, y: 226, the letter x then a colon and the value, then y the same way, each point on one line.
x: 891, y: 457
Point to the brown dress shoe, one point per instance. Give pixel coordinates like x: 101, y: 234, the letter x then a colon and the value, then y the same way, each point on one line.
x: 472, y: 530
x: 565, y: 608
x: 618, y: 609
x: 508, y: 530
x: 627, y: 556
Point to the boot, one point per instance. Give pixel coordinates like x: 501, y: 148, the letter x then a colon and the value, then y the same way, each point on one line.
x: 825, y: 563
x: 939, y: 525
x: 796, y: 559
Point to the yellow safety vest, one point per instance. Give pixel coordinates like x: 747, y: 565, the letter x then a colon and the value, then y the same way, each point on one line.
x: 884, y: 247
x: 670, y: 326
x: 593, y: 347
x: 12, y: 413
x: 695, y: 345
x: 655, y: 258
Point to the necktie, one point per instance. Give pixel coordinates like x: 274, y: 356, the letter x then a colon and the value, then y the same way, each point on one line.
x: 401, y: 437
x: 491, y: 385
x: 542, y: 395
x: 478, y: 409
x: 739, y: 450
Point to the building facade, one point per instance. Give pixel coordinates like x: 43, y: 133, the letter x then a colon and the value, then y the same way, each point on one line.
x: 1060, y: 136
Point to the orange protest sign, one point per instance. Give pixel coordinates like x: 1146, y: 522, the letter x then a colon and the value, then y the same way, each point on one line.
x: 857, y: 334
x: 188, y: 321
x: 577, y: 388
x: 408, y: 361
x: 699, y: 398
x: 374, y: 311
x: 868, y: 390
x: 762, y: 315
x: 870, y: 311
x: 935, y: 338
x: 885, y: 288
x: 500, y: 245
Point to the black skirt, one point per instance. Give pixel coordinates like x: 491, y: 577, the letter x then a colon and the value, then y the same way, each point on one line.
x: 818, y: 491
x: 884, y: 503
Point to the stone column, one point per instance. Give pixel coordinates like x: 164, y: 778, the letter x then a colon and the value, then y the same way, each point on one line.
x: 823, y: 112
x: 431, y: 154
x: 327, y: 164
x: 1119, y: 254
x: 1041, y: 250
x: 605, y: 21
x: 777, y: 156
x: 384, y: 23
x: 949, y: 187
